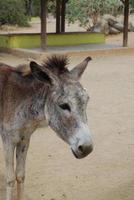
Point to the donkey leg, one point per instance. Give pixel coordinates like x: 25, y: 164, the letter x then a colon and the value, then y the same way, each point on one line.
x: 21, y: 153
x: 10, y: 174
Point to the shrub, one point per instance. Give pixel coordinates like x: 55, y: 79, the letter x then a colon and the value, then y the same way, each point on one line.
x: 36, y: 7
x: 12, y: 12
x: 84, y: 10
x: 131, y: 6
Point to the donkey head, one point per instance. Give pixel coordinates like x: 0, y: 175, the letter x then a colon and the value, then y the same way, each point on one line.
x: 65, y: 106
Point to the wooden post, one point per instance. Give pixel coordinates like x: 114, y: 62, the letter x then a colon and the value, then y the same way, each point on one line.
x: 126, y: 19
x: 58, y: 16
x: 43, y: 23
x: 63, y: 13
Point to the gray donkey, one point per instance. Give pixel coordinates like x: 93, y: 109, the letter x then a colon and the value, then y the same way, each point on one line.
x: 28, y: 99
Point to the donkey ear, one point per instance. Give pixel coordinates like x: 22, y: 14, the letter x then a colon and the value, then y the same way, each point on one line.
x: 41, y: 74
x: 77, y: 71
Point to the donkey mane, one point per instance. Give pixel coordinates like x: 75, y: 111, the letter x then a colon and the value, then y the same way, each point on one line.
x: 56, y: 63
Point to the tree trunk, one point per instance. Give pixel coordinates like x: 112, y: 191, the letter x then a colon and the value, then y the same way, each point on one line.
x: 43, y: 23
x: 58, y: 16
x: 63, y: 13
x: 126, y: 18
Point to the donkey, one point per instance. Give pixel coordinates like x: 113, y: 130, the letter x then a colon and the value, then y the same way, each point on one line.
x: 48, y: 92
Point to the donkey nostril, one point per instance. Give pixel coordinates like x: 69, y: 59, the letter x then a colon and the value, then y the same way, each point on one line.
x: 80, y: 148
x: 85, y: 149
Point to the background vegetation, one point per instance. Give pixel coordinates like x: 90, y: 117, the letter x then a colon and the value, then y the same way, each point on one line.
x: 20, y: 11
x: 13, y: 12
x: 86, y: 10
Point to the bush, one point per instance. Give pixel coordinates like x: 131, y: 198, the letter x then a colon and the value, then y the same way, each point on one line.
x: 12, y: 12
x: 131, y: 6
x: 36, y: 7
x: 84, y: 10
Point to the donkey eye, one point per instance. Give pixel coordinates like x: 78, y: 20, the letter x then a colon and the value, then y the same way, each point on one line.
x: 65, y: 106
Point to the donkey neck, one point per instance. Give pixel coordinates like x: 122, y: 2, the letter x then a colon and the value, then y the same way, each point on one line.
x: 32, y: 107
x: 24, y: 108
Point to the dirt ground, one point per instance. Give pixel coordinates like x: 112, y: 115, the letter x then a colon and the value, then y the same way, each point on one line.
x: 118, y: 39
x: 108, y: 173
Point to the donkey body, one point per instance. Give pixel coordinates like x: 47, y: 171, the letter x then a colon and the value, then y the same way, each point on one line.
x: 47, y: 93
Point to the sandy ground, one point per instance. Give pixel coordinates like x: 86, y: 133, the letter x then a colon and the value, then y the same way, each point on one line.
x: 35, y: 27
x: 108, y: 173
x: 118, y: 39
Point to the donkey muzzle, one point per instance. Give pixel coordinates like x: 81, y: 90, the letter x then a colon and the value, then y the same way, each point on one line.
x: 82, y: 151
x: 81, y: 143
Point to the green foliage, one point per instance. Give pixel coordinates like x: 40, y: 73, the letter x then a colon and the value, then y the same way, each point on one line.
x: 84, y: 10
x: 132, y: 6
x: 132, y: 3
x: 52, y: 7
x: 36, y: 7
x: 12, y: 12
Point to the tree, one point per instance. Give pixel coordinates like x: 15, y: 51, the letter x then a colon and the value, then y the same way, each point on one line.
x: 84, y: 10
x: 43, y: 23
x: 12, y: 12
x: 132, y: 6
x: 132, y: 3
